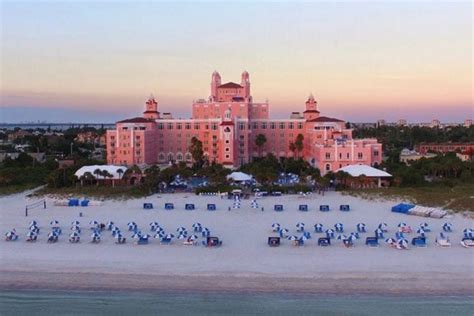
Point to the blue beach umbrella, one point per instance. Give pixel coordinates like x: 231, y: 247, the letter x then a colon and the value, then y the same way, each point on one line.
x: 275, y: 227
x: 307, y: 235
x: 181, y: 229
x: 355, y: 235
x: 284, y: 232
x: 169, y: 236
x: 193, y: 237
x: 390, y: 240
x: 159, y: 235
x: 75, y: 223
x: 383, y: 227
x: 74, y: 234
x: 420, y: 230
x: 402, y: 242
x: 52, y: 234
x: 341, y: 237
x: 31, y: 234
x: 330, y: 233
x: 136, y: 235
x: 318, y: 228
x: 447, y: 227
x: 379, y: 233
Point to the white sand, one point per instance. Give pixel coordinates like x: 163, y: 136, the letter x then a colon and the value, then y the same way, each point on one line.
x: 244, y: 255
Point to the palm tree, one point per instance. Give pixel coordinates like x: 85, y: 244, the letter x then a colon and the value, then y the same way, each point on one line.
x: 97, y: 173
x: 107, y: 174
x: 293, y: 148
x: 299, y: 143
x: 260, y: 140
x: 120, y: 173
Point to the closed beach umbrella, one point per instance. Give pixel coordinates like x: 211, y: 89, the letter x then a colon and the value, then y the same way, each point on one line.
x: 75, y: 223
x: 292, y: 238
x: 54, y: 223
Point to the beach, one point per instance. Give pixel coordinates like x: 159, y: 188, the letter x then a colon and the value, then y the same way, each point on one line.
x: 244, y: 263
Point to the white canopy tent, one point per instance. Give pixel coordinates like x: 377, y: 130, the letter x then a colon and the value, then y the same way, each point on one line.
x: 239, y: 176
x: 109, y: 168
x: 368, y: 171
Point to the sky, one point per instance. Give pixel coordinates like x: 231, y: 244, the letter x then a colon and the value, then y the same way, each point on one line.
x: 97, y: 61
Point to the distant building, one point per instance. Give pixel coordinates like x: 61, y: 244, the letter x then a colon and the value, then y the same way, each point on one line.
x: 381, y: 123
x: 468, y: 123
x: 402, y: 122
x: 435, y: 123
x: 407, y: 155
x: 423, y: 148
x: 228, y: 123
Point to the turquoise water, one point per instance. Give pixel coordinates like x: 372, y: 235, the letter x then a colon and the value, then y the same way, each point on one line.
x: 102, y: 303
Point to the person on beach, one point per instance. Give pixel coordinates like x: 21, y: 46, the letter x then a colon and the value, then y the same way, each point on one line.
x: 262, y: 209
x: 229, y: 209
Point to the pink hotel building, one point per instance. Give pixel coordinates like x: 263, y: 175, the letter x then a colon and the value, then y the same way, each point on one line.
x: 227, y: 124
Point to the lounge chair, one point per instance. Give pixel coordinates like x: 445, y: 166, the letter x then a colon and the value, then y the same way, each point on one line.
x: 467, y: 242
x: 443, y: 242
x: 121, y: 240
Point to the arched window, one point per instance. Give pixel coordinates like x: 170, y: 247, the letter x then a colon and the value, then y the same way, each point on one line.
x: 227, y: 129
x: 189, y: 157
x: 170, y: 157
x: 179, y: 157
x: 161, y: 157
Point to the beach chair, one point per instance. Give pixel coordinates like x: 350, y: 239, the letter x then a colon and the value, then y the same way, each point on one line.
x: 211, y: 207
x: 303, y: 207
x: 324, y: 242
x: 467, y: 242
x: 372, y: 241
x: 74, y: 240
x: 273, y: 241
x: 189, y: 207
x: 52, y: 239
x: 142, y: 241
x: 147, y: 206
x: 344, y: 208
x: 347, y: 242
x: 324, y: 208
x: 120, y: 240
x: 419, y: 241
x: 443, y: 241
x: 169, y: 206
x: 165, y: 241
x: 278, y: 207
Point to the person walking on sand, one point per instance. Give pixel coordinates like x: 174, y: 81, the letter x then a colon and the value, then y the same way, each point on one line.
x: 262, y: 209
x: 229, y: 209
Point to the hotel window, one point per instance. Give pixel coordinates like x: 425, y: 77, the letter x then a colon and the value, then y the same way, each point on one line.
x: 178, y: 126
x: 328, y: 167
x: 170, y: 125
x: 340, y: 155
x: 291, y: 125
x: 227, y: 141
x: 227, y: 149
x: 187, y: 126
x: 241, y: 126
x: 282, y: 125
x: 376, y: 153
x: 214, y: 137
x: 227, y: 156
x: 196, y: 125
x: 264, y: 125
x: 214, y: 126
x: 272, y: 125
x: 328, y: 155
x: 347, y: 155
x: 359, y: 155
x: 254, y: 125
x: 300, y: 125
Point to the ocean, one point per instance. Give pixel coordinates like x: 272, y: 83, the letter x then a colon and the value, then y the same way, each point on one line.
x: 120, y: 303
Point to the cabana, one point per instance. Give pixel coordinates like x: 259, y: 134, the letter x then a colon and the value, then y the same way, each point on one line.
x: 324, y: 242
x: 211, y: 207
x: 274, y: 241
x: 419, y: 241
x: 73, y: 202
x: 147, y: 206
x: 85, y: 203
x: 303, y: 207
x: 278, y: 207
x: 344, y: 208
x: 142, y: 240
x: 372, y: 241
x: 189, y: 207
x: 213, y: 242
x: 169, y: 206
x: 324, y: 208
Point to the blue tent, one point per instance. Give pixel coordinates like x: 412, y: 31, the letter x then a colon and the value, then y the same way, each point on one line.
x: 324, y: 208
x: 169, y: 206
x: 73, y: 202
x: 403, y: 208
x: 303, y: 207
x: 211, y: 207
x: 84, y: 203
x: 147, y: 206
x: 189, y: 207
x: 344, y: 207
x: 419, y: 241
x: 278, y: 207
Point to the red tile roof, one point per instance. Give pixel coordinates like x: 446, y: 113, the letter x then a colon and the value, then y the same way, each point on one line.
x: 230, y: 85
x: 136, y: 120
x: 325, y: 119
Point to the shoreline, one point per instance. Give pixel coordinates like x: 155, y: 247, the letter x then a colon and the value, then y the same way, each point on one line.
x: 363, y: 283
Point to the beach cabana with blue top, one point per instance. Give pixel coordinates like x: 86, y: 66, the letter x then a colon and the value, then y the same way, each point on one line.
x: 169, y: 206
x: 344, y: 207
x: 372, y: 241
x: 273, y: 241
x: 189, y: 207
x: 147, y: 206
x: 324, y: 208
x: 303, y: 207
x: 324, y: 241
x: 419, y: 241
x: 211, y: 207
x: 278, y: 207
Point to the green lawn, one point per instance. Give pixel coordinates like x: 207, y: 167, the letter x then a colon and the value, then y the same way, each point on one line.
x: 459, y: 198
x: 13, y: 189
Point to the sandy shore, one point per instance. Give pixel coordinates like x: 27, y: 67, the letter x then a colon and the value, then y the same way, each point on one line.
x: 244, y: 263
